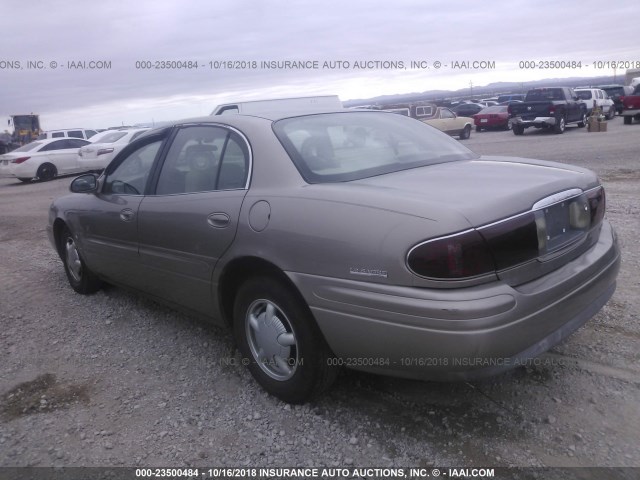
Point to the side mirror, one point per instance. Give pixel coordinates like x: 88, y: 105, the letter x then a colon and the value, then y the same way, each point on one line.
x: 84, y: 184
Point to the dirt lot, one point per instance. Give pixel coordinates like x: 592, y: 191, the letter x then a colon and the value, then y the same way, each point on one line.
x: 112, y: 379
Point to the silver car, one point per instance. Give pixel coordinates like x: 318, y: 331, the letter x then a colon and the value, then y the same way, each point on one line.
x: 356, y: 238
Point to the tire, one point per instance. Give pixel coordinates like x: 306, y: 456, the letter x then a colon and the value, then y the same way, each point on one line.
x: 583, y: 122
x: 478, y: 128
x: 465, y: 133
x: 611, y: 113
x: 560, y: 125
x: 275, y: 331
x: 509, y: 125
x: 46, y: 172
x: 25, y: 180
x: 518, y: 130
x: 628, y: 119
x: 81, y: 279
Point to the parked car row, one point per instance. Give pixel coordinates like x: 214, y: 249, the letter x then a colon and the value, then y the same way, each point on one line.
x: 60, y: 153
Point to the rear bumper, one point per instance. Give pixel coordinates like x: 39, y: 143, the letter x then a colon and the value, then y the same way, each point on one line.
x: 462, y: 333
x: 631, y: 112
x: 534, y: 122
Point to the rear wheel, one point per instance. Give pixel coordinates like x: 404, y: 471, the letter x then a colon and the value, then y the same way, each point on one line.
x: 612, y: 112
x: 46, y: 172
x: 465, y: 133
x: 518, y: 129
x: 509, y: 125
x: 560, y: 125
x: 81, y: 279
x: 628, y: 119
x: 478, y: 128
x: 280, y: 341
x: 25, y: 180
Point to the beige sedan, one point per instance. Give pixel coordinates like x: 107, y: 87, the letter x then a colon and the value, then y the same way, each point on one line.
x: 448, y: 122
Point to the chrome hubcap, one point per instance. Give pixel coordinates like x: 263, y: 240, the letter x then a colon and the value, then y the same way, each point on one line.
x: 73, y: 260
x: 271, y: 339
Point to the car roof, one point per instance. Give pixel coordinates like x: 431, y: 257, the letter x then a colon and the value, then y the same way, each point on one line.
x: 46, y: 141
x: 239, y: 119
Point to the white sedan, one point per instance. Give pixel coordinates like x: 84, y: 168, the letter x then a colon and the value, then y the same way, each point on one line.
x: 105, y: 145
x: 43, y: 159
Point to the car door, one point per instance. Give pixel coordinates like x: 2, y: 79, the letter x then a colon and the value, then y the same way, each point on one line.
x: 448, y: 122
x: 192, y: 217
x: 62, y: 154
x: 574, y: 107
x: 107, y: 225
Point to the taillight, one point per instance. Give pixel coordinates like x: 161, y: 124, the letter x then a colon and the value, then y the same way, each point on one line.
x: 102, y: 151
x: 552, y: 110
x: 20, y: 160
x: 461, y: 255
x: 510, y: 242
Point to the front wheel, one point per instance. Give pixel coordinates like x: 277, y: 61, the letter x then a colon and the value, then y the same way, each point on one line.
x: 628, y: 119
x: 465, y: 133
x: 583, y: 121
x: 612, y: 112
x: 280, y: 341
x: 24, y: 179
x: 81, y: 279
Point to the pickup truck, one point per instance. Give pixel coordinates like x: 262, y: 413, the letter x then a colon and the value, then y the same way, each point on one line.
x: 554, y: 107
x: 631, y: 106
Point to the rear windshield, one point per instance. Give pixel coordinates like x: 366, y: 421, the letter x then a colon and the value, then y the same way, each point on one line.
x: 611, y: 91
x: 495, y: 109
x: 110, y: 137
x: 584, y: 94
x: 28, y: 147
x: 545, y: 94
x: 339, y: 147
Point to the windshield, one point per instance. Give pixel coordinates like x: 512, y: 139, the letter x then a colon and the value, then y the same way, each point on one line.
x: 340, y: 147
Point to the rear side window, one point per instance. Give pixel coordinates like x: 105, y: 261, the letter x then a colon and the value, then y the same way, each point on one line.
x: 75, y: 134
x: 584, y: 94
x: 89, y: 133
x: 204, y: 159
x: 57, y: 145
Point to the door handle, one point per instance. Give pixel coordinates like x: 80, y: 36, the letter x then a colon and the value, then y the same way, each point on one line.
x: 126, y: 215
x: 218, y: 220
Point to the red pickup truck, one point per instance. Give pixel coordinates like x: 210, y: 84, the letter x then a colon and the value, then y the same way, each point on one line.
x: 631, y: 106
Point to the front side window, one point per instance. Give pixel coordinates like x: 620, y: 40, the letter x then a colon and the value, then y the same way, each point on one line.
x: 204, y: 159
x: 340, y: 147
x: 130, y: 176
x: 89, y: 133
x: 57, y: 134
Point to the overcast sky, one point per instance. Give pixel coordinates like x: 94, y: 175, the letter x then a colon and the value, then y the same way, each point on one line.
x: 50, y: 34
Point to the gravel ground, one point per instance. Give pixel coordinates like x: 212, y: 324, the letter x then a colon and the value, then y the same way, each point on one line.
x: 112, y: 379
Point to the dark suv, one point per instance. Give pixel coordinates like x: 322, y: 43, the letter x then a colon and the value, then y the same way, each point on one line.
x: 617, y: 94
